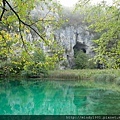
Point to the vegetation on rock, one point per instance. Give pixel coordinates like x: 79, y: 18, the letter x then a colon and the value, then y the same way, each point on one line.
x: 22, y: 19
x: 105, y: 21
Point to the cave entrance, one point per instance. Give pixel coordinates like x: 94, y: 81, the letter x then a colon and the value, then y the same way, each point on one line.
x: 79, y: 47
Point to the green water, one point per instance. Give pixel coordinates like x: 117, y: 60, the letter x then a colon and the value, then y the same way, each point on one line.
x: 56, y: 98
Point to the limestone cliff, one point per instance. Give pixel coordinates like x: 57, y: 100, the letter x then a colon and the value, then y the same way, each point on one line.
x: 74, y: 36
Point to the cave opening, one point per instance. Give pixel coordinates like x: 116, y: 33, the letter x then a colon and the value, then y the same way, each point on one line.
x: 79, y: 47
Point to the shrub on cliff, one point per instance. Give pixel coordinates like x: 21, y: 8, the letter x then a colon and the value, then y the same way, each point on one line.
x: 81, y: 60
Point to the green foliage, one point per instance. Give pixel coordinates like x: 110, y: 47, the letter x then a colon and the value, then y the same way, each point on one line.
x: 82, y: 61
x: 38, y: 56
x: 35, y: 66
x: 91, y: 64
x: 104, y: 21
x: 18, y: 54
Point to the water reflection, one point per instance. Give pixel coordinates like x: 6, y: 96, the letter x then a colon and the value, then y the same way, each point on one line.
x: 56, y: 98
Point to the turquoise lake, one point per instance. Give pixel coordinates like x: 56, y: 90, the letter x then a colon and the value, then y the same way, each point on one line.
x: 41, y: 97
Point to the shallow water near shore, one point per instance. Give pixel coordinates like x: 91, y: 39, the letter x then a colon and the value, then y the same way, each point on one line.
x: 43, y: 97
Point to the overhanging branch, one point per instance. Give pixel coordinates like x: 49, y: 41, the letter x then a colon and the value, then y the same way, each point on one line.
x: 22, y: 20
x: 3, y: 11
x: 18, y: 17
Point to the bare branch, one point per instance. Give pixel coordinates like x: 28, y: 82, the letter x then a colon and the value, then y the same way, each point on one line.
x: 46, y: 15
x: 23, y: 40
x: 3, y: 8
x: 41, y: 21
x: 3, y: 11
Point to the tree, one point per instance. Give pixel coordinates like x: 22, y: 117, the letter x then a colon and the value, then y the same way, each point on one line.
x: 18, y: 20
x: 104, y: 20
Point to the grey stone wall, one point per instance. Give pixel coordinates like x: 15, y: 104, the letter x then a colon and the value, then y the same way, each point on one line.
x: 67, y: 37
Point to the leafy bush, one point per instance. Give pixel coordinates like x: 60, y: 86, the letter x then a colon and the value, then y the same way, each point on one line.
x: 35, y: 67
x: 81, y: 60
x: 35, y: 64
x: 91, y: 64
x: 16, y: 65
x: 34, y: 70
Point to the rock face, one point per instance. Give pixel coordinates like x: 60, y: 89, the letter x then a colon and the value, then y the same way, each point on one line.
x: 71, y: 38
x: 74, y: 37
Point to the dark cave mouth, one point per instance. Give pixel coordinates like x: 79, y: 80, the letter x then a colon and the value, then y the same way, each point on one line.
x: 79, y: 47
